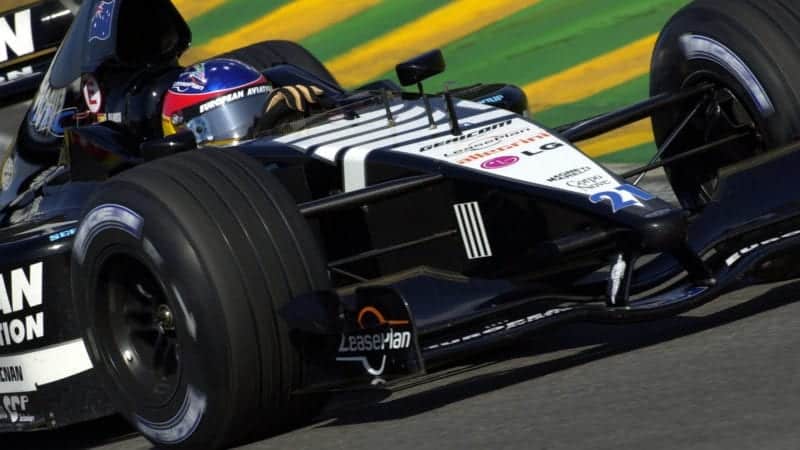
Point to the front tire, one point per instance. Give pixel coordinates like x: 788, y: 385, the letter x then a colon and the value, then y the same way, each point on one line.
x: 750, y: 50
x: 179, y: 269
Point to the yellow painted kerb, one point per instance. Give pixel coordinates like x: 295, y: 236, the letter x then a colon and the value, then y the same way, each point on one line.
x: 624, y: 138
x: 440, y: 27
x: 593, y: 76
x: 194, y: 8
x: 293, y: 21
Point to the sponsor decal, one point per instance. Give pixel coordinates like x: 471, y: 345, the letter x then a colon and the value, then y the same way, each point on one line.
x: 92, y: 94
x: 524, y: 141
x: 193, y: 80
x: 544, y: 148
x: 17, y: 39
x: 232, y: 97
x: 27, y: 372
x: 102, y: 218
x: 590, y: 183
x: 473, y: 232
x: 390, y: 340
x: 11, y: 374
x: 222, y: 100
x: 381, y: 342
x: 569, y: 174
x: 484, y: 143
x: 505, y: 325
x: 14, y: 409
x: 16, y: 74
x: 62, y: 235
x: 623, y: 197
x: 491, y: 100
x: 500, y: 162
x: 21, y: 292
x: 100, y: 26
x: 741, y: 253
x: 480, y: 144
x: 466, y: 136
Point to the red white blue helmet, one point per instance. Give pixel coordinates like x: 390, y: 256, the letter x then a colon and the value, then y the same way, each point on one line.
x: 219, y: 100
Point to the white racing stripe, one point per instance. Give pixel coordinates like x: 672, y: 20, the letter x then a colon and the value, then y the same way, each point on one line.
x: 355, y: 165
x: 408, y: 120
x: 26, y: 372
x: 473, y: 232
x: 493, y: 141
x: 339, y: 129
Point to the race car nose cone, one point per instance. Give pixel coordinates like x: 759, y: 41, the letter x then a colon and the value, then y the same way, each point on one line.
x: 663, y: 230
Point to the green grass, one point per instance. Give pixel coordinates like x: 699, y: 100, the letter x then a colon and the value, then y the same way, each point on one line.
x: 367, y: 26
x: 552, y: 36
x: 228, y: 17
x: 622, y: 95
x: 539, y: 41
x: 639, y: 154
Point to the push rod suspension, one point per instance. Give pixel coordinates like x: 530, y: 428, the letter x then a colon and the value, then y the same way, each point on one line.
x: 589, y: 128
x: 382, y: 191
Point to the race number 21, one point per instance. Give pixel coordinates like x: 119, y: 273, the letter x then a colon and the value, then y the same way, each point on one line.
x: 622, y: 197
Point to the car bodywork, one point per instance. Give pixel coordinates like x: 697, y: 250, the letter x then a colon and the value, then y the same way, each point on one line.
x: 449, y: 224
x: 30, y: 32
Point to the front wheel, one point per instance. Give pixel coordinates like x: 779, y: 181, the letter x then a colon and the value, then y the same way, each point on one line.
x: 179, y: 269
x: 750, y: 51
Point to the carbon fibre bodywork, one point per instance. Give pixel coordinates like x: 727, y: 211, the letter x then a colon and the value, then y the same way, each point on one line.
x: 449, y: 222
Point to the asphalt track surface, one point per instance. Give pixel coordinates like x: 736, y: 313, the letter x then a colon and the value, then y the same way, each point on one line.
x: 724, y: 376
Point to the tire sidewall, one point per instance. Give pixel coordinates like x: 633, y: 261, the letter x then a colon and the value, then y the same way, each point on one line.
x: 734, y: 59
x: 162, y: 246
x: 672, y: 69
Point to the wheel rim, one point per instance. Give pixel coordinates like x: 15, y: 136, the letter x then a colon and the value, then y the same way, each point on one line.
x: 138, y: 330
x: 696, y: 179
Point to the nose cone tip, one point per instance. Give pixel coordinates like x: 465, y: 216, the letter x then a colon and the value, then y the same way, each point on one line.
x: 664, y: 229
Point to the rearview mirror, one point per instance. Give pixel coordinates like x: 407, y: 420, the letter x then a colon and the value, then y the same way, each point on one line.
x: 169, y: 145
x: 421, y: 67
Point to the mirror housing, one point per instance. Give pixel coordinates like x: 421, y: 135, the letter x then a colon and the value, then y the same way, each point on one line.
x: 420, y: 68
x: 176, y: 143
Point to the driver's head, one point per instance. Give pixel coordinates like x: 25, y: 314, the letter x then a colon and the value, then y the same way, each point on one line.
x: 219, y: 100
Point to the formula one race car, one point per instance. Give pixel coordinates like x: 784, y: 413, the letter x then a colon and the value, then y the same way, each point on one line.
x: 215, y: 293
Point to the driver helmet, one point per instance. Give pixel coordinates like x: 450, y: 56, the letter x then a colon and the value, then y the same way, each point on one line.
x: 219, y: 100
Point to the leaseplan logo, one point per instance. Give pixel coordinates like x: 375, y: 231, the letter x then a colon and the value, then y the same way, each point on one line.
x: 359, y: 346
x: 17, y: 38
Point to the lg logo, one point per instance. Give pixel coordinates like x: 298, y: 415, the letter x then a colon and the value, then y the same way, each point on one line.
x: 19, y: 38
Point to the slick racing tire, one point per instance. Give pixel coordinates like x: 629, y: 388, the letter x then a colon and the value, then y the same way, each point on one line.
x: 266, y: 54
x: 750, y: 51
x: 180, y: 268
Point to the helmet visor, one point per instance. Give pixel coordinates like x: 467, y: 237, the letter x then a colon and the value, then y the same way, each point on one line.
x: 227, y: 119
